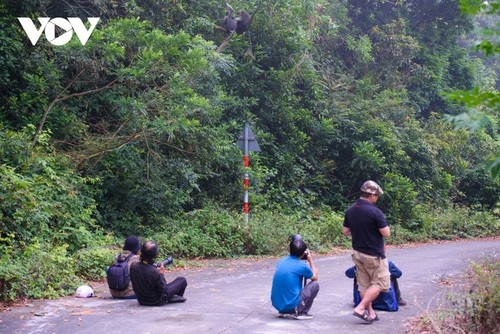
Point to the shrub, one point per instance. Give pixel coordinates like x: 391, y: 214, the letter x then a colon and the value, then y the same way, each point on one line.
x: 400, y: 192
x: 209, y: 232
x: 401, y: 235
x: 12, y: 273
x: 269, y: 232
x: 482, y: 303
x: 51, y: 271
x: 459, y: 222
x: 41, y: 196
x: 213, y: 232
x: 475, y: 307
x: 40, y: 271
x: 91, y: 263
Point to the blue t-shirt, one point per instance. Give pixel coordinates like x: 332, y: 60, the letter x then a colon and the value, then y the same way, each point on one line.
x: 287, y: 283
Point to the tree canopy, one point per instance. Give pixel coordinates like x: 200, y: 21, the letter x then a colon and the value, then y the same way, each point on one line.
x: 138, y: 125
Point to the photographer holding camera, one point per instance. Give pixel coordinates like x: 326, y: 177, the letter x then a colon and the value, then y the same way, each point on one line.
x: 287, y: 294
x: 148, y: 280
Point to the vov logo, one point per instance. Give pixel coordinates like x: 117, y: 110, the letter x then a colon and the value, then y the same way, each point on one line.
x: 48, y: 26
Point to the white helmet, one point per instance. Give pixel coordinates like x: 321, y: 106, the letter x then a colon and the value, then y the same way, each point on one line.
x: 84, y: 291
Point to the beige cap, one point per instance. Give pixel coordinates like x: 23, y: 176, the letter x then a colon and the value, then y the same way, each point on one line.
x: 371, y: 187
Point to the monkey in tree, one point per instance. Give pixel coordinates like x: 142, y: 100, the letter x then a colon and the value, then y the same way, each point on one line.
x: 230, y: 22
x: 243, y: 22
x: 240, y: 24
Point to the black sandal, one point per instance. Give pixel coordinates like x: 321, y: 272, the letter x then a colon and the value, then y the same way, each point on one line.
x: 363, y: 317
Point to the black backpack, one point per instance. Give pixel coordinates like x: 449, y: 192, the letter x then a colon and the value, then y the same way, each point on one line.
x: 118, y: 275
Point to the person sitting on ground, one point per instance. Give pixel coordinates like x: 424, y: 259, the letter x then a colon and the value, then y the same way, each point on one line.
x: 131, y: 250
x: 287, y: 294
x: 150, y: 285
x: 386, y: 301
x: 395, y: 284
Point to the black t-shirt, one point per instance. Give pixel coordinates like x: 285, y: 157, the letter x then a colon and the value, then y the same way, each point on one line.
x: 364, y: 220
x: 149, y: 284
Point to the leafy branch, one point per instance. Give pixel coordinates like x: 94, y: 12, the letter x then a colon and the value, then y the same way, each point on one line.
x: 61, y: 98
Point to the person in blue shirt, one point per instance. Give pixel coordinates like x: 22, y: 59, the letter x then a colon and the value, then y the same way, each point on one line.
x: 288, y: 293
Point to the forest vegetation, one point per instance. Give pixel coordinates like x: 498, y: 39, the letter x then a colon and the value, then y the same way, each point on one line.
x: 134, y: 132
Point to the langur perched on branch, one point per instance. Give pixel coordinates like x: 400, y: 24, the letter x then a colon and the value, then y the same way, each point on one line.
x: 243, y: 22
x: 240, y: 25
x: 229, y: 21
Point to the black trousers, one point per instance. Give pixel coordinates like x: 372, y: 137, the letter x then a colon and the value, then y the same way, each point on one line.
x: 176, y: 287
x: 396, y: 287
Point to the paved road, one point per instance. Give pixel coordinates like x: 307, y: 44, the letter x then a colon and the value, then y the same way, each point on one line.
x: 233, y: 297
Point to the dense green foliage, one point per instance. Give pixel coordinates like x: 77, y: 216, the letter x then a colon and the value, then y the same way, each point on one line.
x: 134, y: 132
x: 483, y: 101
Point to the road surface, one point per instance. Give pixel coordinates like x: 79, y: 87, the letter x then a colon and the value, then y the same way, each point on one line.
x: 232, y: 297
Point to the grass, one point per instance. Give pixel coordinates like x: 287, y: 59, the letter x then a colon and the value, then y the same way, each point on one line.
x: 474, y: 309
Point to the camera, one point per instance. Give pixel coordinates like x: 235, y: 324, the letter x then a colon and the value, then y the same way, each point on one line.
x: 304, y: 256
x: 166, y: 262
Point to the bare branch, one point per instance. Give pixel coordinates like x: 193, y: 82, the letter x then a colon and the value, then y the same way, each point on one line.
x: 59, y: 99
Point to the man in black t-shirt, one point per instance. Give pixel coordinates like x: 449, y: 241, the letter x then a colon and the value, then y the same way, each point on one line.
x: 367, y: 226
x: 150, y: 285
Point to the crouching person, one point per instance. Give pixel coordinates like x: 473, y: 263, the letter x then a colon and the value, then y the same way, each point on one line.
x: 150, y: 285
x: 288, y: 295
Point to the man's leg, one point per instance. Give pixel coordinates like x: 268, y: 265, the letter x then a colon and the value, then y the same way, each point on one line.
x: 373, y: 277
x: 175, y: 290
x: 395, y: 284
x: 309, y: 292
x: 365, y: 304
x: 364, y: 272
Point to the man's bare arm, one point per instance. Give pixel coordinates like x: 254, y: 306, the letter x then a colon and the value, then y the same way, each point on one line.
x: 385, y: 231
x: 313, y: 266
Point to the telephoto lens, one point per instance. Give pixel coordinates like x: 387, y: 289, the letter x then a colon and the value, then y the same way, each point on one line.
x: 166, y: 262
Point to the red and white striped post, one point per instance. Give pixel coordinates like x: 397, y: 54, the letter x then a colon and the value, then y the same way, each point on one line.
x: 245, y: 200
x: 246, y: 180
x: 247, y: 143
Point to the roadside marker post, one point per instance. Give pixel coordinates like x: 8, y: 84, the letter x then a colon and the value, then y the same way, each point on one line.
x: 247, y: 143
